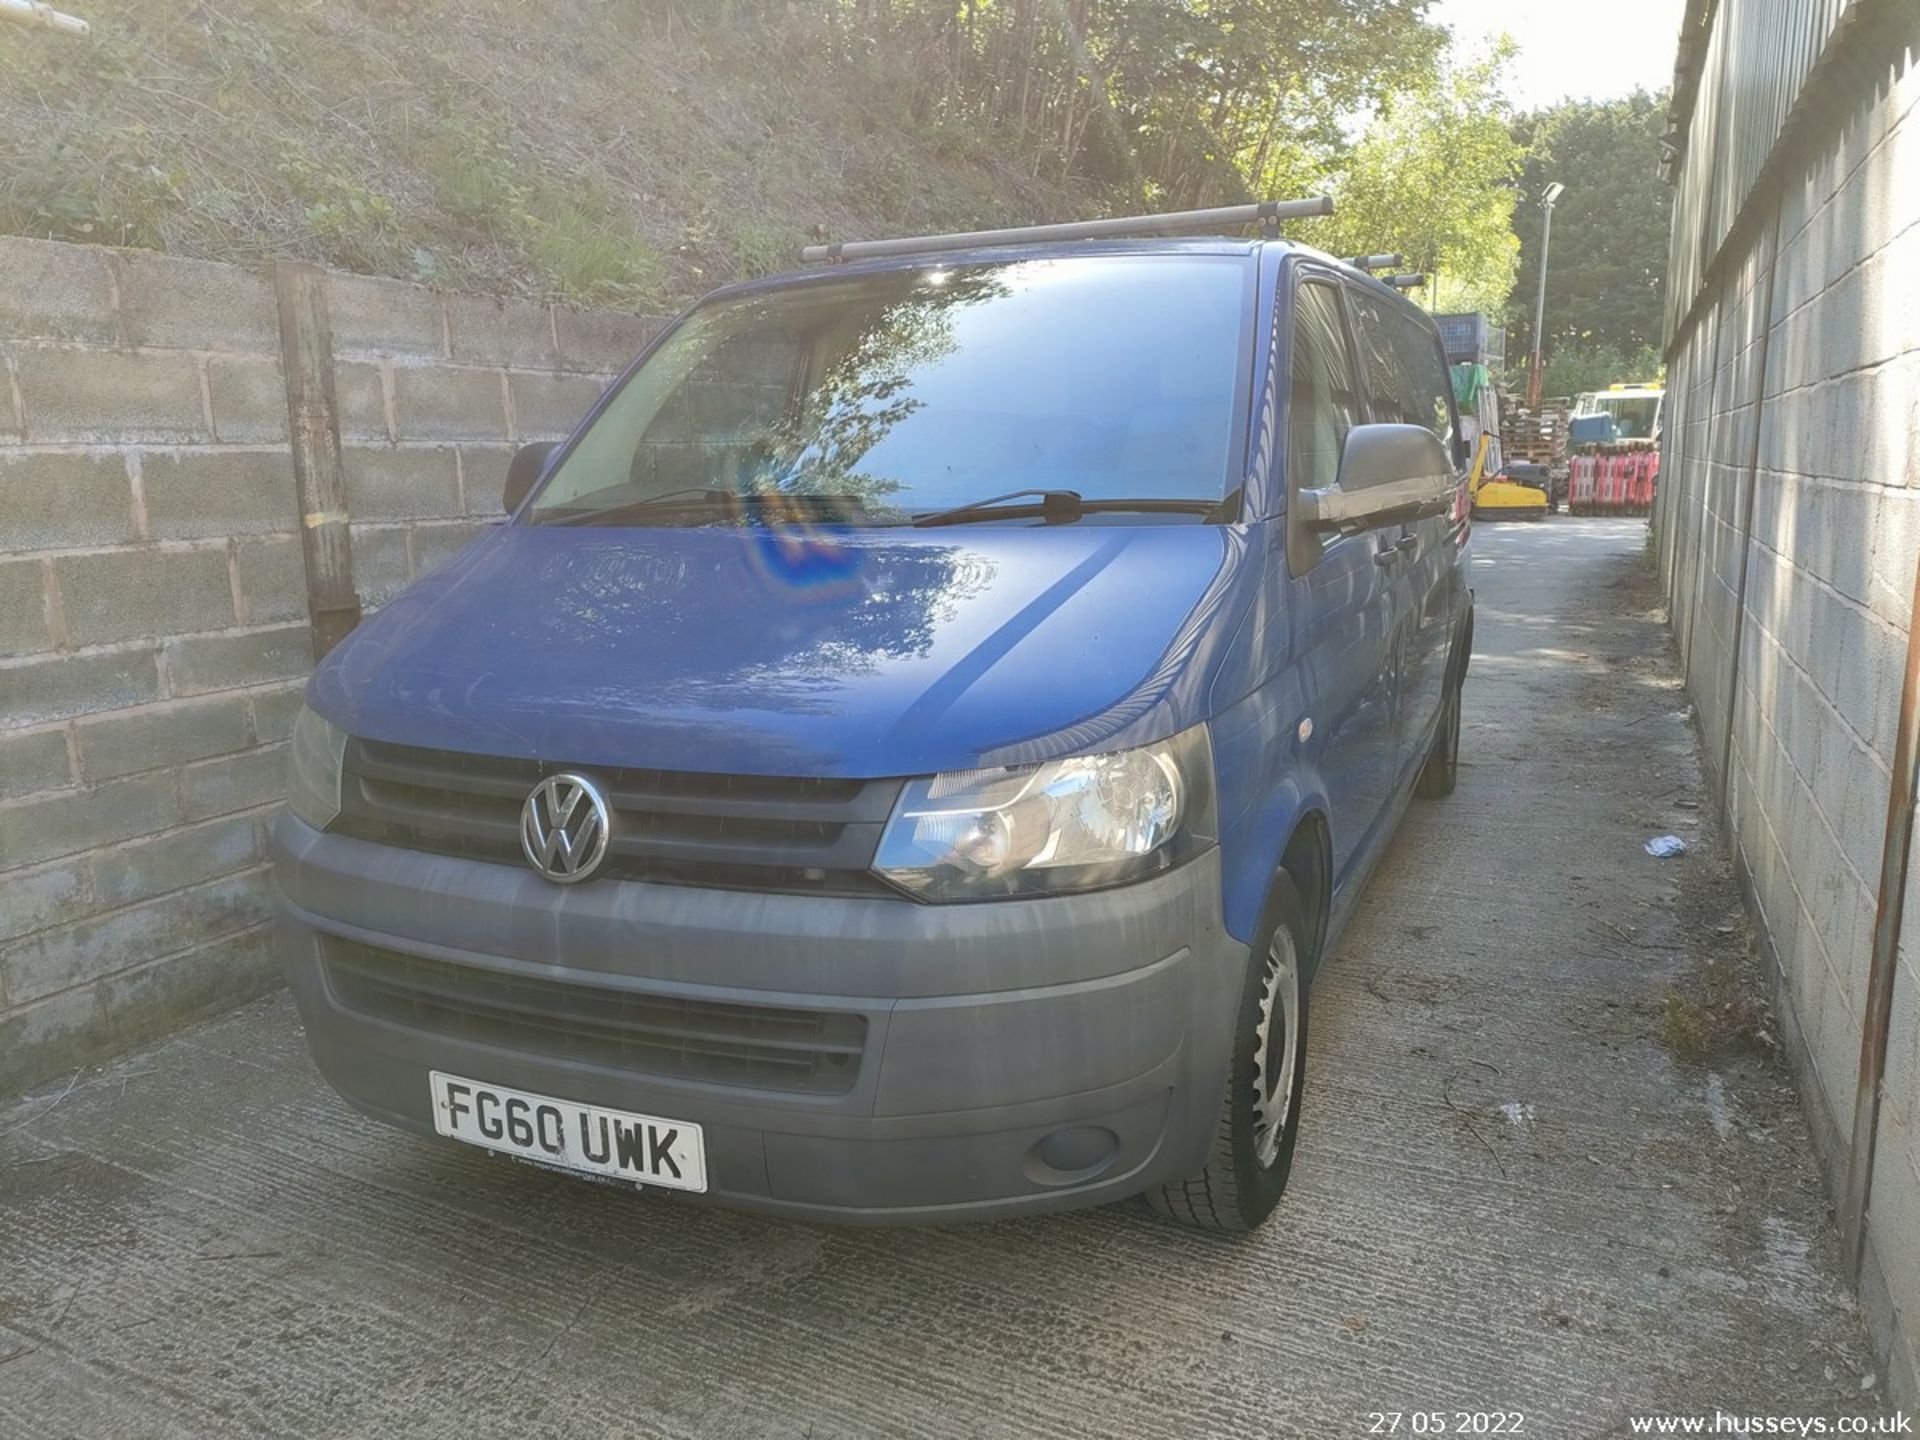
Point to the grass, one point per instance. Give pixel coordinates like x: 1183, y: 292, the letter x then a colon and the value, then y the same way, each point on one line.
x: 760, y: 246
x: 614, y: 152
x: 595, y: 262
x: 1696, y: 1032
x: 1712, y: 1011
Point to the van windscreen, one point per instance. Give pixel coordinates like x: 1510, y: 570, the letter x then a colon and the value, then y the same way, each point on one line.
x: 907, y: 392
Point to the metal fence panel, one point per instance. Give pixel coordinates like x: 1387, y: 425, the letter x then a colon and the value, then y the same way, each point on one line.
x: 1749, y: 75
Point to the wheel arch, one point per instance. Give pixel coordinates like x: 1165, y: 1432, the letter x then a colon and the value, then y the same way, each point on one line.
x: 1308, y: 862
x: 1294, y: 837
x: 1462, y: 647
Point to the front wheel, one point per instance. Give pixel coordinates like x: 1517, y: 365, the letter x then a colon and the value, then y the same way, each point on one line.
x: 1252, y: 1154
x: 1437, y: 777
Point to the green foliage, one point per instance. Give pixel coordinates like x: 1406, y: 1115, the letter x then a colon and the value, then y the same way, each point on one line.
x: 476, y: 177
x: 761, y: 246
x: 1432, y: 179
x: 1576, y: 366
x: 592, y: 262
x: 93, y: 183
x: 353, y: 225
x: 645, y: 150
x: 1608, y: 253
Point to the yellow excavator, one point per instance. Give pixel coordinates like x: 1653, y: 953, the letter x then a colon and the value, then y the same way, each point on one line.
x: 1499, y: 497
x: 1496, y: 492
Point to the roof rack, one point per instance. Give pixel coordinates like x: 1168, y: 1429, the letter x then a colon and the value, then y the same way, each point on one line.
x: 1377, y: 262
x: 1405, y: 282
x: 38, y: 12
x: 1225, y: 217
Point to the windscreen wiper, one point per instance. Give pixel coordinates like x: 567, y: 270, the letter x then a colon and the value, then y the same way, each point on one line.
x: 1058, y: 507
x: 704, y: 499
x: 1063, y: 507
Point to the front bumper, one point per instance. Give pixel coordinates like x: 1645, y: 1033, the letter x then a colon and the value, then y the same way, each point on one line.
x: 984, y: 1031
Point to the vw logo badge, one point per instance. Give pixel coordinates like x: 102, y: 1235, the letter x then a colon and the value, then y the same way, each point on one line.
x: 565, y: 827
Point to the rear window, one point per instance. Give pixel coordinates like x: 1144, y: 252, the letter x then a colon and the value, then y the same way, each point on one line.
x: 1121, y: 377
x: 1407, y: 378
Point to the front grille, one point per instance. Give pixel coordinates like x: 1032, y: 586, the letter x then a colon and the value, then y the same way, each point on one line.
x: 751, y: 832
x: 755, y: 1046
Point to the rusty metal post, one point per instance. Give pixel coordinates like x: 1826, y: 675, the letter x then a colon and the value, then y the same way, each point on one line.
x: 319, y: 475
x: 1878, y: 1021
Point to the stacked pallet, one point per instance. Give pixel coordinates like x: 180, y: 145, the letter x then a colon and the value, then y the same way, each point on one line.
x: 1537, y: 438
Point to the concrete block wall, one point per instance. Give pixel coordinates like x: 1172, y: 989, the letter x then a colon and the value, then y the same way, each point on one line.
x: 154, y: 635
x: 1790, y: 566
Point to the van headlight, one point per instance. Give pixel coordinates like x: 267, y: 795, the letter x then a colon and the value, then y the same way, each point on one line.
x: 1075, y: 824
x: 313, y: 769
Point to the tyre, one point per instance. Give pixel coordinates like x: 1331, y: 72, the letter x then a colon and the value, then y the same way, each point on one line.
x: 1443, y: 761
x: 1253, y: 1141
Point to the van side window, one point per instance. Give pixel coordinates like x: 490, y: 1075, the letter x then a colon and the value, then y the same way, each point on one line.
x: 1407, y: 380
x: 1323, y: 404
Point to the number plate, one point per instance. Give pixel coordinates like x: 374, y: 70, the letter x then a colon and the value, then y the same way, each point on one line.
x: 641, y: 1148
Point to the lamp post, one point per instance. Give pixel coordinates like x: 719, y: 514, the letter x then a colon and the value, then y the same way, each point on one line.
x: 1553, y: 193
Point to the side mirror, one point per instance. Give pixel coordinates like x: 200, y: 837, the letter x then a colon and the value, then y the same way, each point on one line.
x: 524, y: 470
x: 1389, y: 474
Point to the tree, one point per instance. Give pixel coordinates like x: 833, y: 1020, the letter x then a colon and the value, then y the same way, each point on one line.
x: 649, y: 148
x: 1432, y: 179
x: 1609, y: 248
x: 1172, y: 103
x: 1577, y: 367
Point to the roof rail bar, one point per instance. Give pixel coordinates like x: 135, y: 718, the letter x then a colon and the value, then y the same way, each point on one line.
x: 1405, y: 282
x: 1224, y: 217
x: 1377, y: 262
x: 38, y: 12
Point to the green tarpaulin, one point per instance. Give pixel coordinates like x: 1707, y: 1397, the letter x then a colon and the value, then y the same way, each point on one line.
x: 1468, y: 381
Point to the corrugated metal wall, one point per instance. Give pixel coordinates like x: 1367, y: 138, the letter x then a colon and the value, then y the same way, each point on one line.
x: 1759, y: 54
x: 1787, y: 533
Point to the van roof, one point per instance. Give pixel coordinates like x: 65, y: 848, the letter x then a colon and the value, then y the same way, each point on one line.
x: 1056, y: 250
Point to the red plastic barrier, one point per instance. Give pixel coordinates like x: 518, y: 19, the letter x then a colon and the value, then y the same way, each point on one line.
x: 1645, y: 478
x: 1582, y: 478
x: 1619, y: 482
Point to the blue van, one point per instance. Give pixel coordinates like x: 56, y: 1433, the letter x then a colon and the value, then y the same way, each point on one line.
x: 905, y: 755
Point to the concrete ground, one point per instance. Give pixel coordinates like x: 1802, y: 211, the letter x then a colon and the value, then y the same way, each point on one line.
x: 1549, y: 1166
